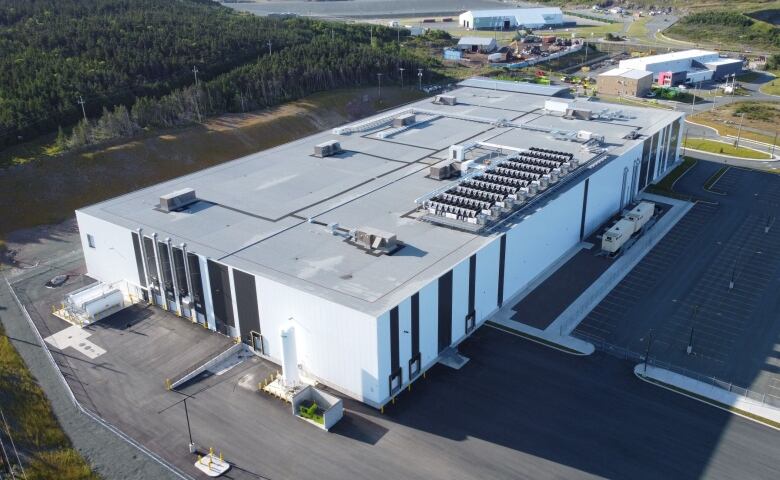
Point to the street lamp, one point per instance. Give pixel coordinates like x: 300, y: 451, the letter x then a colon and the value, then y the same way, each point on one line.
x: 379, y: 78
x: 647, y: 351
x: 689, y: 350
x: 419, y: 77
x: 402, y: 76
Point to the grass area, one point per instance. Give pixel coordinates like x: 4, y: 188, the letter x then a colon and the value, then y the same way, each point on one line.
x: 725, y: 29
x: 760, y: 123
x: 715, y: 177
x: 41, y: 442
x: 666, y: 183
x: 76, y: 179
x: 721, y: 148
x: 771, y: 87
x: 638, y: 27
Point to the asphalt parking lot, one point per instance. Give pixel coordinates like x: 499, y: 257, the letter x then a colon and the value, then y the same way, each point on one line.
x: 681, y: 289
x: 516, y: 410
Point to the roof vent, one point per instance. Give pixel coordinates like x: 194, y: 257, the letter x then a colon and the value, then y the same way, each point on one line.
x: 445, y: 100
x: 441, y: 172
x: 326, y: 149
x: 632, y: 135
x: 375, y: 241
x: 178, y: 199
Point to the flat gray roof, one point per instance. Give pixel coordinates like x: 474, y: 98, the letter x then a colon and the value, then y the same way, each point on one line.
x: 253, y: 213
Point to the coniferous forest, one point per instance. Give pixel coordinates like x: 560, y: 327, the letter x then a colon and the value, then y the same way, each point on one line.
x: 131, y: 61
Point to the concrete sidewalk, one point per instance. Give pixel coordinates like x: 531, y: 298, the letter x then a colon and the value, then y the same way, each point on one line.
x: 716, y: 396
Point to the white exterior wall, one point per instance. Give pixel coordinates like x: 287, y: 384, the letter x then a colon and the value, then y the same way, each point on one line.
x: 541, y: 238
x: 405, y: 337
x: 336, y: 344
x: 113, y: 257
x: 429, y: 328
x: 604, y: 189
x: 486, y: 298
x: 460, y: 299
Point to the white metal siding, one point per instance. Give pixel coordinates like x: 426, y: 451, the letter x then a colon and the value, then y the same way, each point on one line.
x: 487, y: 280
x: 460, y: 299
x: 429, y: 343
x: 405, y: 336
x: 113, y: 257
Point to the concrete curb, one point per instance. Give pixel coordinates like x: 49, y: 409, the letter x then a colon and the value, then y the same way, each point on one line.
x: 565, y: 344
x: 771, y: 159
x: 711, y: 395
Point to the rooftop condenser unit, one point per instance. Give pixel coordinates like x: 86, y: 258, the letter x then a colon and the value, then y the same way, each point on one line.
x: 445, y: 100
x: 375, y: 240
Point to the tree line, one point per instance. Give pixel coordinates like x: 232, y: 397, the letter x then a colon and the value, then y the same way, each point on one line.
x: 334, y: 58
x: 113, y: 52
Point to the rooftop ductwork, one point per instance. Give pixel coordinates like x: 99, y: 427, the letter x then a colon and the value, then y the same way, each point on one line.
x: 326, y: 149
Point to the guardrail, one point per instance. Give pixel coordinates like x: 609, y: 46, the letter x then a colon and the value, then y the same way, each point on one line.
x: 760, y: 398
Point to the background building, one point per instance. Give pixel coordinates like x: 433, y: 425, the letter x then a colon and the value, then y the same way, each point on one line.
x: 625, y: 81
x: 383, y: 243
x: 477, y: 44
x: 686, y: 66
x: 511, y: 18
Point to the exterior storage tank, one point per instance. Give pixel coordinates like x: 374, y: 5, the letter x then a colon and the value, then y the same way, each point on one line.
x: 290, y: 376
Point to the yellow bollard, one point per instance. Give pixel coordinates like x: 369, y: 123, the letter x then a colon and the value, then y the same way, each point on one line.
x: 393, y: 400
x: 220, y: 455
x: 200, y: 459
x: 168, y: 383
x: 210, y: 461
x: 382, y: 409
x: 211, y: 451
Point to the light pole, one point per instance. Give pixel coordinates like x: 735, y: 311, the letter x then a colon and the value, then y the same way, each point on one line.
x: 402, y: 76
x: 189, y: 430
x: 739, y: 132
x: 419, y: 77
x: 647, y: 351
x: 689, y: 350
x: 379, y: 78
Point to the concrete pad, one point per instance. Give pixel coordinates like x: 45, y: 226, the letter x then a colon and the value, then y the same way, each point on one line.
x: 75, y: 337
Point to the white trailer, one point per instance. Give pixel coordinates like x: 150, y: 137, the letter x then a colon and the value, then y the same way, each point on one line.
x: 614, y: 239
x: 640, y: 214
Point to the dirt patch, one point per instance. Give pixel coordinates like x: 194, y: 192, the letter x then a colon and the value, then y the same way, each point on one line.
x: 47, y: 190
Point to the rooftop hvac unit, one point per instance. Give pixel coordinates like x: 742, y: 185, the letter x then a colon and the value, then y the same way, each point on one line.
x: 441, y: 172
x: 556, y: 106
x: 585, y: 136
x: 403, y: 120
x: 445, y: 100
x: 375, y: 240
x: 457, y: 152
x: 632, y: 135
x: 579, y: 113
x: 326, y: 149
x: 178, y: 199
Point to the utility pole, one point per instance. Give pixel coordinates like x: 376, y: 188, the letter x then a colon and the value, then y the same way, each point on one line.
x: 402, y: 76
x: 739, y: 132
x: 371, y: 35
x: 419, y: 77
x: 83, y: 110
x: 773, y: 144
x: 379, y: 78
x: 269, y: 47
x: 195, y: 72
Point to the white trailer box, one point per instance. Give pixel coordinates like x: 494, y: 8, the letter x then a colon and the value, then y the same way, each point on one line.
x: 617, y: 236
x: 640, y: 214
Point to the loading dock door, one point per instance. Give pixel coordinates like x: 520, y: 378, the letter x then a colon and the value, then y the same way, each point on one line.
x: 219, y: 277
x: 246, y: 301
x: 506, y: 24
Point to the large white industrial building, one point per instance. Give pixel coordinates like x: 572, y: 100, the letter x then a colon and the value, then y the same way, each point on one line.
x: 383, y: 243
x: 687, y: 65
x: 511, y: 18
